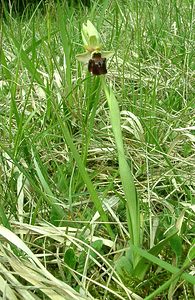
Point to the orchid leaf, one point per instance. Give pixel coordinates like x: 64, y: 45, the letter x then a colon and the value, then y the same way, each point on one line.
x: 143, y: 265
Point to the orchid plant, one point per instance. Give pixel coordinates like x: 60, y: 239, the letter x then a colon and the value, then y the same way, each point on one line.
x: 96, y: 59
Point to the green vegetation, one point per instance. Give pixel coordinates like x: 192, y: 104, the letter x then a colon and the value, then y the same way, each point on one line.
x: 97, y: 172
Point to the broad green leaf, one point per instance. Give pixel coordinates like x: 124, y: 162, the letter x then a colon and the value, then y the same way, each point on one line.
x: 164, y: 265
x: 176, y: 245
x: 143, y: 265
x: 97, y: 245
x: 123, y: 266
x: 70, y: 258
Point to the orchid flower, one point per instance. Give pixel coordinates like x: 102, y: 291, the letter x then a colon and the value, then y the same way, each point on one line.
x: 94, y: 56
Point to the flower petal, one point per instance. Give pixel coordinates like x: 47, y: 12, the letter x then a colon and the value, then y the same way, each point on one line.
x: 83, y: 57
x: 92, y: 31
x: 90, y: 37
x: 107, y: 54
x: 84, y: 35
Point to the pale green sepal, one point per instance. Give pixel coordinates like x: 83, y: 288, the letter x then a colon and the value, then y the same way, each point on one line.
x: 84, y: 37
x: 92, y: 30
x: 107, y: 54
x: 93, y: 42
x: 90, y: 36
x: 83, y: 57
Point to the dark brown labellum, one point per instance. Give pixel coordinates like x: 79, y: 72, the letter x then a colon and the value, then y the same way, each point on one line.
x: 97, y: 64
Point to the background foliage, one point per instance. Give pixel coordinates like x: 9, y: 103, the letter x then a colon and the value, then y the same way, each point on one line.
x: 58, y: 154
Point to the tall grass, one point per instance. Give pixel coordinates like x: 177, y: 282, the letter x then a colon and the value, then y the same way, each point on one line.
x: 69, y: 168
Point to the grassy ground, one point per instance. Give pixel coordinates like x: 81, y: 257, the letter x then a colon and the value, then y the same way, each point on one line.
x: 59, y: 163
